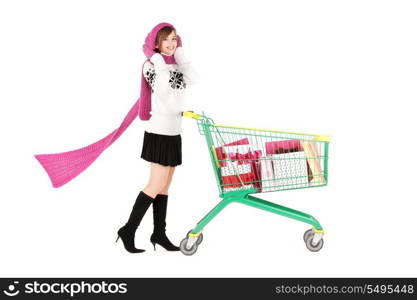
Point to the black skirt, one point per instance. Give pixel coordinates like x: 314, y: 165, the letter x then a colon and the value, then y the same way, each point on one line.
x: 162, y: 149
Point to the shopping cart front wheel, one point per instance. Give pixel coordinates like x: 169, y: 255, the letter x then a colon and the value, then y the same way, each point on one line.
x: 186, y: 249
x: 311, y: 246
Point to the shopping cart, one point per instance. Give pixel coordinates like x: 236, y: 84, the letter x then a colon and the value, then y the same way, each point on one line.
x: 247, y: 161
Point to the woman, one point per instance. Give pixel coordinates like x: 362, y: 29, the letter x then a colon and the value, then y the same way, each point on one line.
x: 168, y: 73
x: 164, y: 79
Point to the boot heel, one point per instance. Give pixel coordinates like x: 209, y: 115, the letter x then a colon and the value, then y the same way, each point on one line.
x: 154, y: 247
x: 117, y: 238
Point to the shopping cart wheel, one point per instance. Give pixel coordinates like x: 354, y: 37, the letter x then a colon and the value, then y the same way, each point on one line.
x: 307, y: 234
x: 311, y: 247
x: 185, y: 250
x: 200, y: 237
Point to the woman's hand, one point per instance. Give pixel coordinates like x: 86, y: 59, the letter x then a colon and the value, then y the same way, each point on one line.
x: 180, y: 56
x: 179, y: 41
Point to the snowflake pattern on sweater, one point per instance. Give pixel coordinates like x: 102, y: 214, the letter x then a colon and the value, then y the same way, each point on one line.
x: 176, y: 79
x: 150, y: 76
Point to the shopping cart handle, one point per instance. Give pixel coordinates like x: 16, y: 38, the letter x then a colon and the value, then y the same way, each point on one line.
x: 190, y: 114
x: 323, y: 138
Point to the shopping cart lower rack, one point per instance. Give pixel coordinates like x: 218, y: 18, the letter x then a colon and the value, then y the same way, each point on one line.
x: 248, y: 161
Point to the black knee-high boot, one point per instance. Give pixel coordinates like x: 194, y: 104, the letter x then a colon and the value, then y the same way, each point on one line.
x: 159, y: 215
x: 127, y: 232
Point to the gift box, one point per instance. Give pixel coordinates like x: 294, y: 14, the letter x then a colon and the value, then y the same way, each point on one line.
x: 234, y: 168
x: 236, y: 158
x: 239, y: 146
x: 233, y: 181
x: 245, y: 158
x: 244, y: 141
x: 313, y: 160
x: 267, y: 173
x: 231, y: 173
x: 250, y: 158
x: 288, y: 146
x: 256, y: 170
x: 290, y: 170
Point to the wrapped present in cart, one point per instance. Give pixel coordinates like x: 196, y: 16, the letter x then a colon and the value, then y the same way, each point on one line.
x: 248, y: 161
x: 237, y: 158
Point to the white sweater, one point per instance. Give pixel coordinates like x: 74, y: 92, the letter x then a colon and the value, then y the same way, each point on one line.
x: 168, y: 83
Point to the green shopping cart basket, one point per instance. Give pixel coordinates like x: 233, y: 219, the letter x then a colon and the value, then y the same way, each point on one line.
x: 248, y: 161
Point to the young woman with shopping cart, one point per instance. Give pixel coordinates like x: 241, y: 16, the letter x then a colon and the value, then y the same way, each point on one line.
x: 168, y: 73
x: 165, y: 76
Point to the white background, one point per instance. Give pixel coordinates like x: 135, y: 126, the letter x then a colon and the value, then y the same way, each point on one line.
x: 70, y: 71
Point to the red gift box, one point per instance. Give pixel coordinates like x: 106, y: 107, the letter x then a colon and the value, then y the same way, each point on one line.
x: 221, y: 153
x: 253, y: 177
x: 233, y: 181
x: 250, y: 157
x: 287, y: 146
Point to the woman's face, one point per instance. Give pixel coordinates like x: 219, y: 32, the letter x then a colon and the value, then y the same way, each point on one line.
x: 169, y: 44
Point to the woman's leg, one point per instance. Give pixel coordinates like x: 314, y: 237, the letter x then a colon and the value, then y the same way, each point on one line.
x: 159, y: 216
x: 168, y: 182
x: 158, y: 178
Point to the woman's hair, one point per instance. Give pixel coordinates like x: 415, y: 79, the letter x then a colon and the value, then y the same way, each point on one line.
x: 163, y: 33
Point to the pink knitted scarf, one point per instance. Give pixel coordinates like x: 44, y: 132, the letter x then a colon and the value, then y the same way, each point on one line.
x: 63, y: 167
